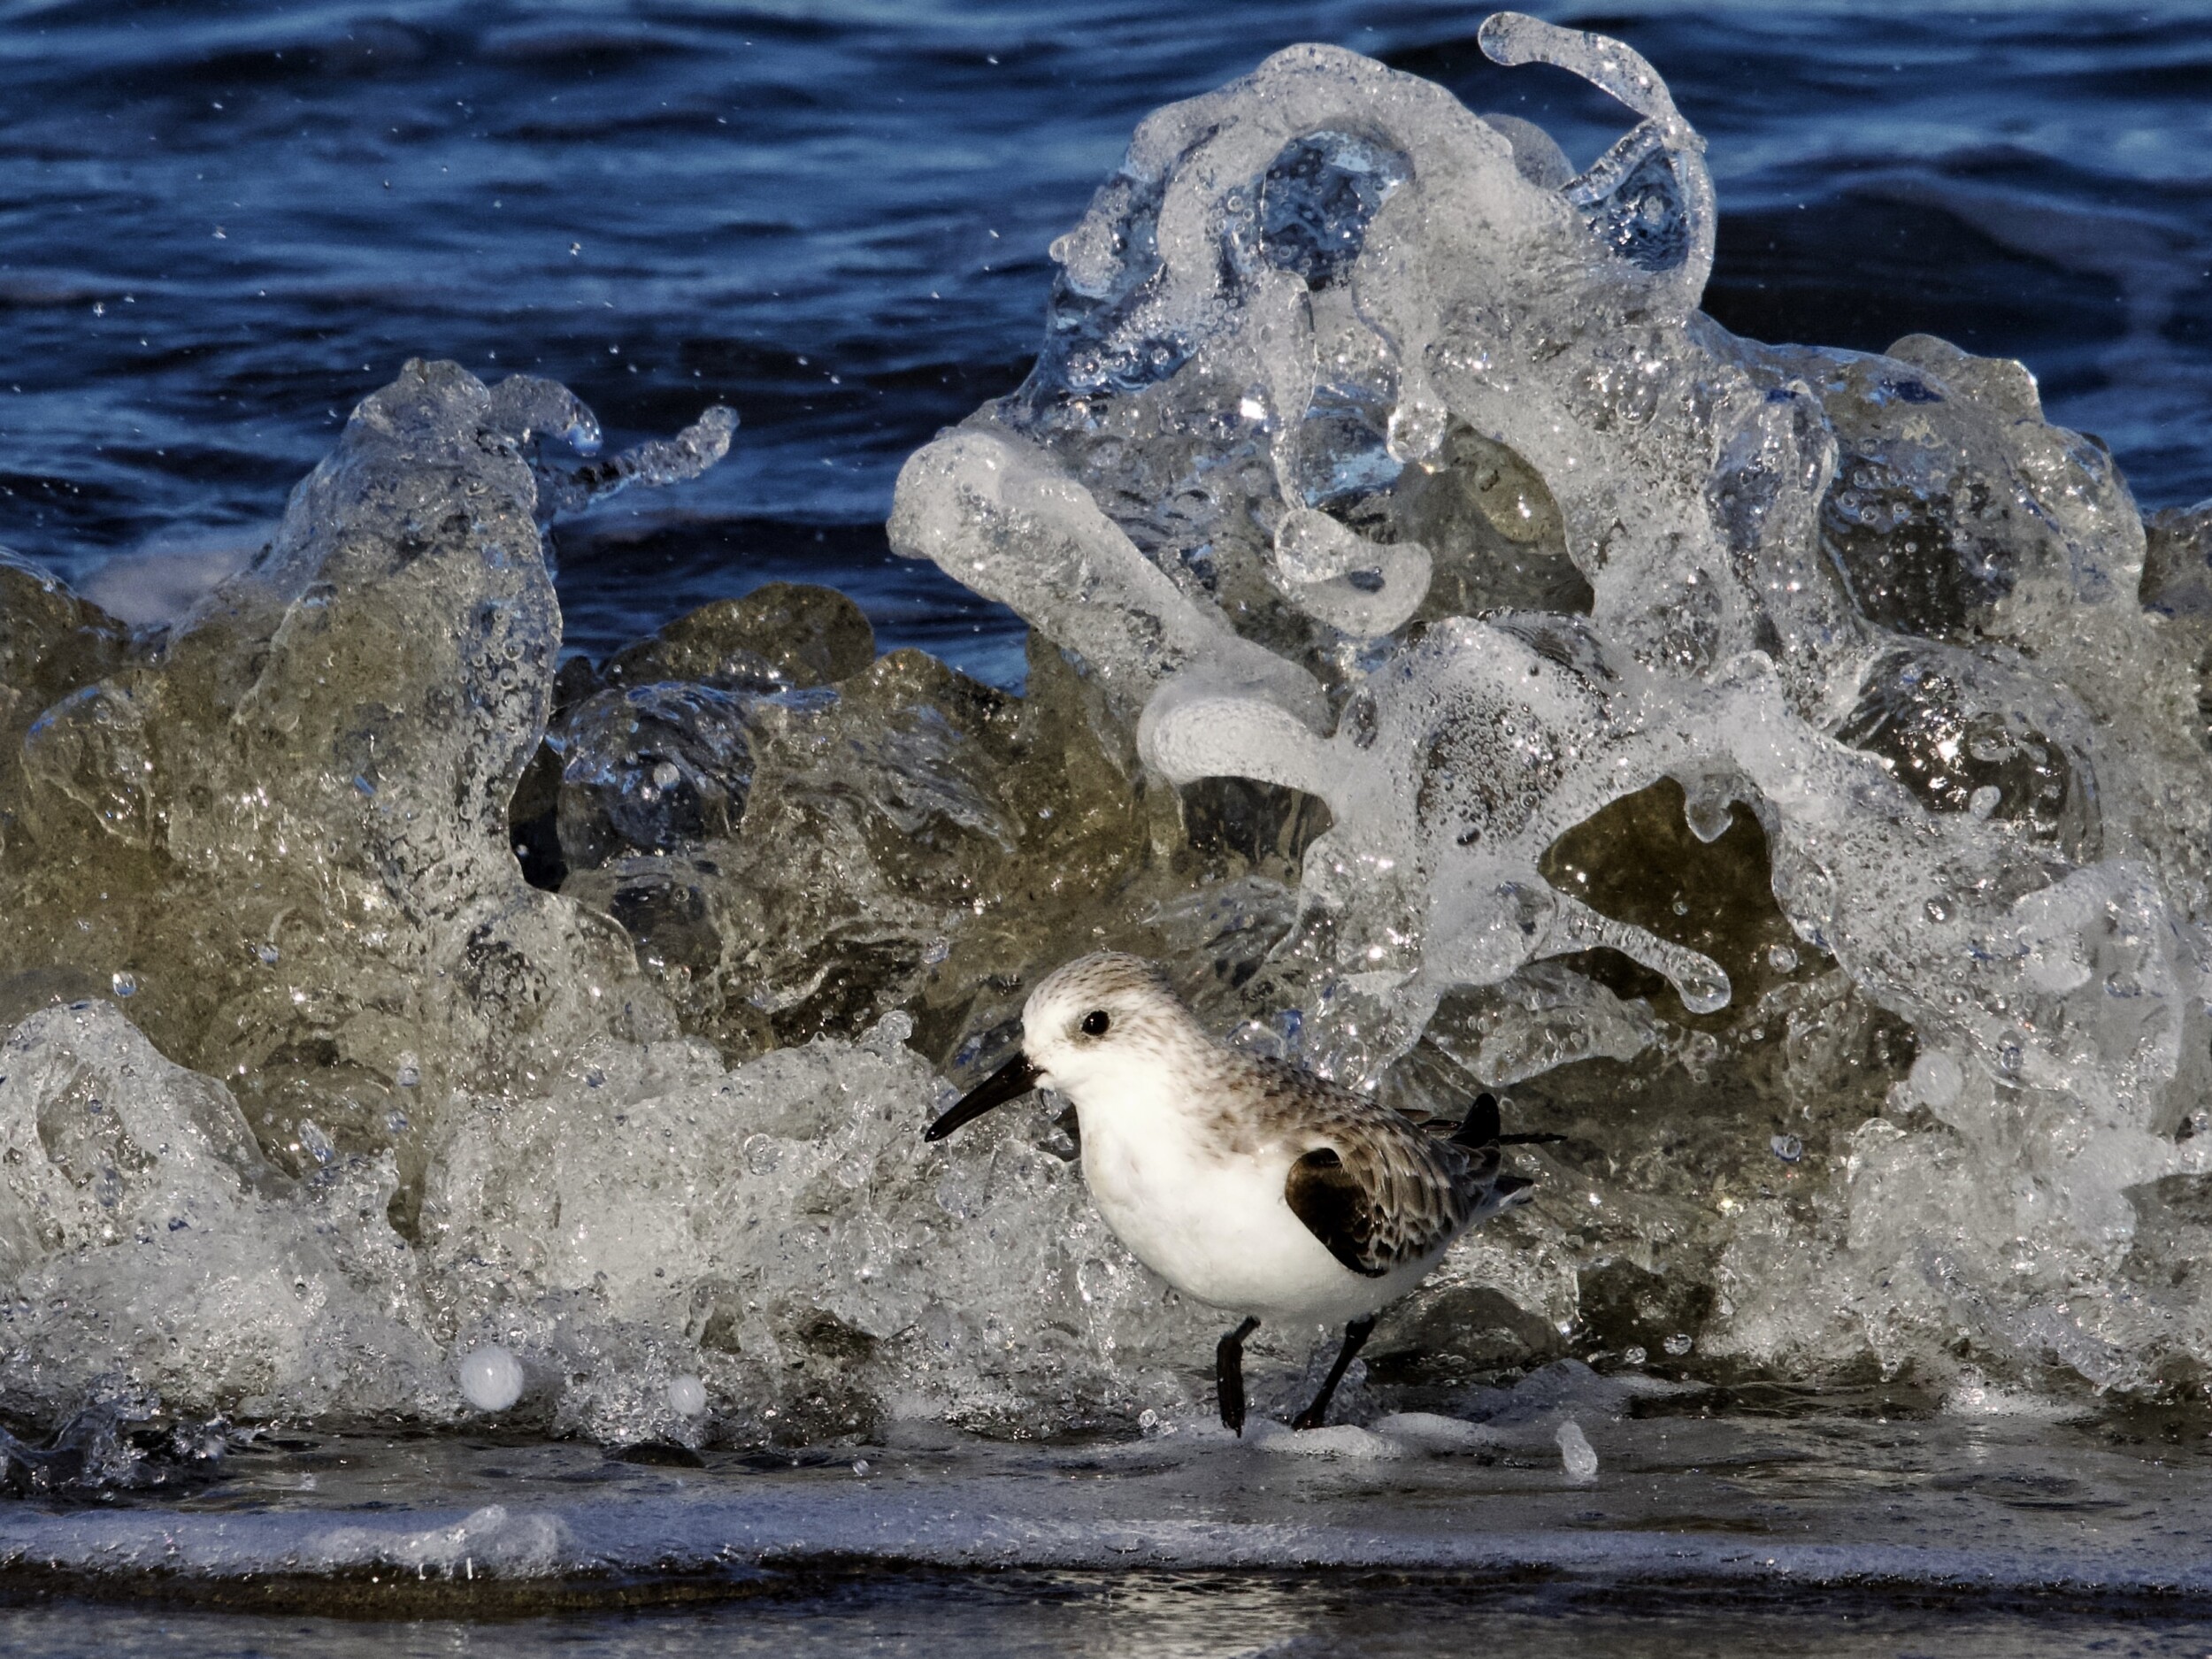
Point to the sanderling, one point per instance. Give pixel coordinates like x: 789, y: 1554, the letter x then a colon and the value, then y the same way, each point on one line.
x: 1246, y: 1183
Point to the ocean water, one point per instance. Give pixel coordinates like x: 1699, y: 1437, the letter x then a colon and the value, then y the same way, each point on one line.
x: 224, y: 225
x: 1840, y: 1535
x: 221, y: 225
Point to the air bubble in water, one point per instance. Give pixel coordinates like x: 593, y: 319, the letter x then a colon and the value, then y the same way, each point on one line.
x: 491, y: 1377
x: 763, y: 1155
x: 687, y: 1396
x: 125, y: 983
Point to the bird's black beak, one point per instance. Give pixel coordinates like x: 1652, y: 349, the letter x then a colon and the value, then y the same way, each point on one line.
x: 1011, y: 1080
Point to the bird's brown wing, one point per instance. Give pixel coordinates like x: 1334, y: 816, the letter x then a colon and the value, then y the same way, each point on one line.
x: 1379, y: 1192
x: 1336, y: 1209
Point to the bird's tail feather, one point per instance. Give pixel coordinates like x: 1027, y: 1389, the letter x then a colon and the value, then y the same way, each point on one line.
x: 1481, y: 1128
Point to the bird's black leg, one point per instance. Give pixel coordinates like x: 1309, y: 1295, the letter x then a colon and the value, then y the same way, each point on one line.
x: 1229, y: 1376
x: 1356, y: 1336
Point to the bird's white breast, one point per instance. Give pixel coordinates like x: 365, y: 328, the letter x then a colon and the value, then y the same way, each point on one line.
x: 1211, y: 1219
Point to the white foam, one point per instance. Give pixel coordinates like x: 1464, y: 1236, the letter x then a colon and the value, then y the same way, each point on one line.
x: 492, y: 1539
x: 1335, y: 1440
x: 1577, y: 1455
x: 1427, y: 1432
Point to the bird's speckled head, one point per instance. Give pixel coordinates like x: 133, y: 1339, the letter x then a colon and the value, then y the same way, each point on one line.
x: 1104, y: 1028
x: 1100, y: 1017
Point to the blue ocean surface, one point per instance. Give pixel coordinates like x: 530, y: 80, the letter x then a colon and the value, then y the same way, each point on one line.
x: 221, y: 225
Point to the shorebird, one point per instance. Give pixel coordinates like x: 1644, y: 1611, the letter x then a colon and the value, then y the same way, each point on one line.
x: 1248, y: 1184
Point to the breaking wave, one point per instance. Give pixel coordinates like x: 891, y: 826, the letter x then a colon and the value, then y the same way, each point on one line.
x: 1458, y: 658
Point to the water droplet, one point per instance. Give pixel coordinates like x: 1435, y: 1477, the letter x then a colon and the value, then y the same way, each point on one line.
x: 1679, y: 1344
x: 1703, y: 993
x: 125, y: 984
x: 1708, y: 816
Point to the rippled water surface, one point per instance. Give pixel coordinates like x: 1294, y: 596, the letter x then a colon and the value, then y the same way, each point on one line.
x: 222, y: 225
x: 1140, y: 1618
x: 1838, y: 1537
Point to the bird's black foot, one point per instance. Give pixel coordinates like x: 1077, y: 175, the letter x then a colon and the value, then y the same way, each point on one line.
x: 1356, y: 1335
x: 1229, y: 1376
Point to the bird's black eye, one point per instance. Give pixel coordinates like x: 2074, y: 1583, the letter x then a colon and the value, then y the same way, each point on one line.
x: 1095, y: 1022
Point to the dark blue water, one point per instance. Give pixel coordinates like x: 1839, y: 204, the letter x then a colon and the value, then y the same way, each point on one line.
x: 221, y: 225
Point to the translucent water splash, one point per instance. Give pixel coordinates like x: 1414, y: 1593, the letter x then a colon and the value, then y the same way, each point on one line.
x: 1869, y: 610
x: 1458, y: 660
